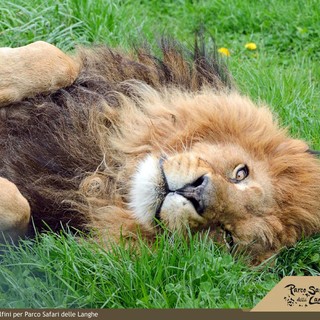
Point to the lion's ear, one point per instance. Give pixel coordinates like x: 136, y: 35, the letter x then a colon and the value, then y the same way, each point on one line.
x: 315, y: 152
x: 292, y: 146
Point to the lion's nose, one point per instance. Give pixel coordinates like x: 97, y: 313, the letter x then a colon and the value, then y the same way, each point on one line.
x: 194, y: 192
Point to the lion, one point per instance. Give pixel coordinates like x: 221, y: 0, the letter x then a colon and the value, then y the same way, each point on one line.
x: 127, y: 143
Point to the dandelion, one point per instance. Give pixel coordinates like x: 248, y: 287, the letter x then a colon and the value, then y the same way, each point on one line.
x: 224, y: 51
x: 251, y: 46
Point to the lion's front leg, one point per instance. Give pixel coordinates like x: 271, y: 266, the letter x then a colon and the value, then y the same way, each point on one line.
x: 36, y: 68
x: 14, y: 212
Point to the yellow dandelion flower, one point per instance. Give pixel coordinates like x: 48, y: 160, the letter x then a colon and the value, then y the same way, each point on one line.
x: 251, y: 46
x: 224, y: 51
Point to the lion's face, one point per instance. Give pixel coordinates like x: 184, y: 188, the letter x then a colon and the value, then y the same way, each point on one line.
x: 230, y: 171
x: 219, y: 188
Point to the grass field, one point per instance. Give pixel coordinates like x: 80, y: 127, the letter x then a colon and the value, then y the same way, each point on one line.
x: 284, y: 71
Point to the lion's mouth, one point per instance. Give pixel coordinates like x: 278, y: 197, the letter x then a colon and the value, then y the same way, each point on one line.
x: 164, y: 190
x: 228, y: 238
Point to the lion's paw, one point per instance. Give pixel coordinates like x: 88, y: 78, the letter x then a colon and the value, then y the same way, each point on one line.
x: 14, y: 212
x: 36, y: 68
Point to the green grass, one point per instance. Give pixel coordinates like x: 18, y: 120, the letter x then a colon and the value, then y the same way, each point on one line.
x: 58, y: 271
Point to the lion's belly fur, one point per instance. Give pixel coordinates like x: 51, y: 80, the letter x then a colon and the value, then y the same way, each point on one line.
x: 47, y: 149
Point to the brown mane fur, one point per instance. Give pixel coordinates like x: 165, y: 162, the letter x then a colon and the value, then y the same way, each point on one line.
x: 71, y: 153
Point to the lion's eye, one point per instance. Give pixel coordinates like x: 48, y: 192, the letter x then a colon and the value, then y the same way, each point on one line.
x: 240, y: 173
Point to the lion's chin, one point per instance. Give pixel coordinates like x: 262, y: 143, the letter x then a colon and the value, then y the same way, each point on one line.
x: 146, y: 194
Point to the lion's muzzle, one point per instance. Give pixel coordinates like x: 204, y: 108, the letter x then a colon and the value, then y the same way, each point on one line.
x: 194, y: 192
